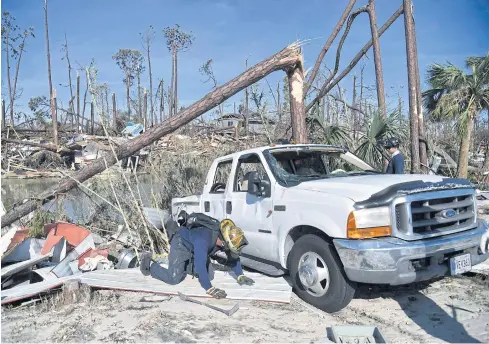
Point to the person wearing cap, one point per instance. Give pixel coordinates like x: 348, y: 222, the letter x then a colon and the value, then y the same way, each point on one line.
x: 190, y: 249
x: 396, y: 164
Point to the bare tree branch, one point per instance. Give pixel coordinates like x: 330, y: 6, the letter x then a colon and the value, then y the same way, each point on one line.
x: 357, y: 58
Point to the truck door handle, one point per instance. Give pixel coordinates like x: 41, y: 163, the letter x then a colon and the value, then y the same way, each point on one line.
x: 207, y: 206
x: 229, y: 207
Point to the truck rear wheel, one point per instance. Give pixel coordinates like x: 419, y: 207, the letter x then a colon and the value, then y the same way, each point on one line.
x: 318, y: 276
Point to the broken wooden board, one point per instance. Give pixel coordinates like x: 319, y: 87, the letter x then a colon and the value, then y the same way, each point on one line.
x: 17, y: 267
x: 271, y: 289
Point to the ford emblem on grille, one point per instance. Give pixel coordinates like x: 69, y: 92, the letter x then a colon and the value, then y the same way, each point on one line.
x: 448, y: 213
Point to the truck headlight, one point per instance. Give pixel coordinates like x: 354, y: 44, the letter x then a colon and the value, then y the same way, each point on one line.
x: 369, y: 223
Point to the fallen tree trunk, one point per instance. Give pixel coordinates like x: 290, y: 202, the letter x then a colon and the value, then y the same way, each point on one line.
x: 283, y: 60
x: 49, y: 147
x: 355, y: 60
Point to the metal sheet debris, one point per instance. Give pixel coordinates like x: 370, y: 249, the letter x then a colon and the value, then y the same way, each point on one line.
x: 271, y: 289
x: 27, y: 249
x: 63, y: 268
x: 17, y: 267
x: 356, y: 334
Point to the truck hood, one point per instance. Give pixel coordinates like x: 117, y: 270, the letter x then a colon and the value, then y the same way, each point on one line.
x: 359, y: 188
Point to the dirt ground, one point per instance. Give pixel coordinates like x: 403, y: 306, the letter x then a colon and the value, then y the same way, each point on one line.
x: 447, y: 310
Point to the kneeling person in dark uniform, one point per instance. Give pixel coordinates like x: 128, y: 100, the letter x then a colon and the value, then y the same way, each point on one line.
x: 197, y: 239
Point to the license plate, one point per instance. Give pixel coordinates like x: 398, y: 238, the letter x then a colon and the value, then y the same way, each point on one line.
x: 460, y: 264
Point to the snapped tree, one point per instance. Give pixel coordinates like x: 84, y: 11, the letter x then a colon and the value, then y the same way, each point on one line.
x: 288, y: 59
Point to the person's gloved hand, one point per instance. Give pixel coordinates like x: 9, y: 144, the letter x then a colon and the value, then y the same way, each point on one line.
x: 216, y: 293
x: 484, y: 242
x: 242, y: 279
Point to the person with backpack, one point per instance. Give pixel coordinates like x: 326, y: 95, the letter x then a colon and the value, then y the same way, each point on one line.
x: 193, y: 240
x: 396, y: 164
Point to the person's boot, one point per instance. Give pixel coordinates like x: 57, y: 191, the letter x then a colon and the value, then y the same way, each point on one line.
x: 145, y: 263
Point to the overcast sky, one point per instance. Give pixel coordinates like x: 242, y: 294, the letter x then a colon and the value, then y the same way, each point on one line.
x: 228, y: 31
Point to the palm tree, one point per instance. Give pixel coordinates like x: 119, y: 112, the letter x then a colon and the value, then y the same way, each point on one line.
x: 459, y: 96
x: 379, y: 128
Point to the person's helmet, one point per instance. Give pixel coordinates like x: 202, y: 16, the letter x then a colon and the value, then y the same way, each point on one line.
x: 390, y: 143
x: 233, y: 236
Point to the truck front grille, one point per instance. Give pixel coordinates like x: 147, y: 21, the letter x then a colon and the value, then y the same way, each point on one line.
x: 434, y: 213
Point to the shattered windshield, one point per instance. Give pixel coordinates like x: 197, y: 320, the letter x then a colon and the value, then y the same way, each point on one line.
x: 299, y: 165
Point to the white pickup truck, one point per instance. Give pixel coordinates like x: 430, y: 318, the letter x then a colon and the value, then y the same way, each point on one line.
x: 329, y: 220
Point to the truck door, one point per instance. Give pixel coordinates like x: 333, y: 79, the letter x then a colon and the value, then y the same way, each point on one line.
x: 252, y: 213
x: 214, y: 195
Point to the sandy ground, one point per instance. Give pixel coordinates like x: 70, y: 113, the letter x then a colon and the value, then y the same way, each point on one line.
x: 452, y: 309
x: 447, y: 310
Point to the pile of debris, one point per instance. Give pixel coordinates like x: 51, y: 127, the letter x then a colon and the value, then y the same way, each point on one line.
x: 31, y: 266
x: 37, y: 157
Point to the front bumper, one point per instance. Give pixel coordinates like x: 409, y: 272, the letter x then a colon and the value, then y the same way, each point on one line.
x: 395, y: 261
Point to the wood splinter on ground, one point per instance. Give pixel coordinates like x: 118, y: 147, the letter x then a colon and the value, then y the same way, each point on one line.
x: 225, y: 311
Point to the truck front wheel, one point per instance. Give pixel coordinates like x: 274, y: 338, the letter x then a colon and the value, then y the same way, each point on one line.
x: 318, y: 276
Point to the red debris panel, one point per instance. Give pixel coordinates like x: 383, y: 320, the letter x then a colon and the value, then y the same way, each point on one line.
x: 73, y: 234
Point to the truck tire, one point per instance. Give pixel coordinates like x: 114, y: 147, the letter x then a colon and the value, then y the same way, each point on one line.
x: 317, y: 274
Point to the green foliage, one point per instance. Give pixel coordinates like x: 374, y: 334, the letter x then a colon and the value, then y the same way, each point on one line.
x: 380, y: 128
x: 206, y: 69
x: 13, y: 37
x: 131, y: 62
x: 41, y: 218
x: 177, y: 39
x: 330, y: 134
x: 40, y: 107
x: 457, y: 95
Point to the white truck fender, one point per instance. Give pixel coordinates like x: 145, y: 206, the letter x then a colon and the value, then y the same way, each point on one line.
x: 312, y: 218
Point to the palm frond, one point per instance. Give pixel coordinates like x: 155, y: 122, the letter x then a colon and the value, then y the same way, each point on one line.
x: 481, y: 69
x: 446, y: 76
x: 380, y: 128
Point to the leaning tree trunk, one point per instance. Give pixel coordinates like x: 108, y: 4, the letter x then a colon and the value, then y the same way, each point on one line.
x: 412, y: 83
x: 327, y: 45
x: 297, y: 112
x: 377, y: 58
x: 330, y: 84
x: 283, y: 60
x: 463, y: 156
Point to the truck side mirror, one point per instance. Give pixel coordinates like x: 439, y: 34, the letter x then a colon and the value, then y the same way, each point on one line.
x: 256, y: 186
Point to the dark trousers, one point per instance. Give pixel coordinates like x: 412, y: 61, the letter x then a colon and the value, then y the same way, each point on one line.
x: 178, y: 261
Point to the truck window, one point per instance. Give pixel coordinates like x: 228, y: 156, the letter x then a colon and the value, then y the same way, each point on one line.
x: 246, y: 164
x: 223, y: 170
